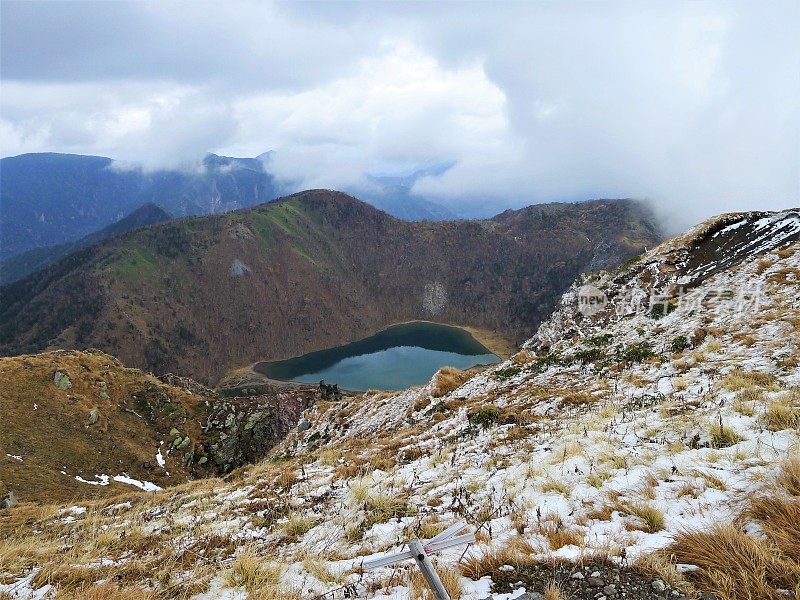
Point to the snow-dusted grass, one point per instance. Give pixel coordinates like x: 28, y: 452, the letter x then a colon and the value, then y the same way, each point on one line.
x: 631, y: 449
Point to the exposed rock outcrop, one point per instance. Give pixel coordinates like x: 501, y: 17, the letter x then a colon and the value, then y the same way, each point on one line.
x: 243, y: 430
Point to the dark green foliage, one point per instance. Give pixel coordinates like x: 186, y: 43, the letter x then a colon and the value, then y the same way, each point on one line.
x: 439, y: 407
x: 630, y: 262
x: 662, y: 309
x: 588, y: 355
x: 680, y: 343
x: 507, y: 373
x: 542, y: 363
x: 485, y: 416
x: 600, y: 341
x: 635, y: 352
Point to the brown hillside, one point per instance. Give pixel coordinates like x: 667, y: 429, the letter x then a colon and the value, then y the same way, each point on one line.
x: 68, y: 414
x: 312, y: 270
x: 82, y: 414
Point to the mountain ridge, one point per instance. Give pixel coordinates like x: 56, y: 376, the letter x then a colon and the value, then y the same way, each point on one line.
x: 19, y: 266
x: 311, y: 270
x: 51, y: 198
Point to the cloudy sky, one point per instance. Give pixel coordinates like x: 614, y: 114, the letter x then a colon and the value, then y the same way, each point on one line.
x: 692, y: 105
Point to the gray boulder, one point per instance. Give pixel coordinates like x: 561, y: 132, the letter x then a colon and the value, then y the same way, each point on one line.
x: 62, y: 380
x: 9, y: 501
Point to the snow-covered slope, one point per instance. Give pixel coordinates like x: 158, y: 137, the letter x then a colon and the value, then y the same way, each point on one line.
x: 606, y: 436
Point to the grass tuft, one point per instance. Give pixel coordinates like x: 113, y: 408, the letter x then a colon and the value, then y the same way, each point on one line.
x: 448, y: 379
x: 734, y: 565
x: 451, y: 579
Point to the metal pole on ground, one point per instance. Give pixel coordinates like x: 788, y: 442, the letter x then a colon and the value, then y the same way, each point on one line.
x: 425, y: 565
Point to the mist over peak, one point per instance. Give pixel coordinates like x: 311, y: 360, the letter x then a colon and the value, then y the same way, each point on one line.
x: 692, y: 106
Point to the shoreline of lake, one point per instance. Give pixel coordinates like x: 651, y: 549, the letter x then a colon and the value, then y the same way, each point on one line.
x: 493, y: 341
x: 397, y: 357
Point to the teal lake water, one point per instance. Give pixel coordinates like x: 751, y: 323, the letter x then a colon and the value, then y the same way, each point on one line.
x: 394, y: 359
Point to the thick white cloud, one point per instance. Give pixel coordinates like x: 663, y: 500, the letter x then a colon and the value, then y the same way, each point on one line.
x: 692, y: 105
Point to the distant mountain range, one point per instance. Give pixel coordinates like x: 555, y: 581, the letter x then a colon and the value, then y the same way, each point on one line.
x: 21, y: 265
x: 393, y: 194
x: 202, y: 295
x: 49, y: 199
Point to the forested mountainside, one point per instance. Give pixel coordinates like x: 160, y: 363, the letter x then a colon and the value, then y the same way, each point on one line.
x: 312, y: 270
x: 54, y: 198
x: 51, y: 199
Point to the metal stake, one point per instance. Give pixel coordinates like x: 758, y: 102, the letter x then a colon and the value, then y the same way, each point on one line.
x: 430, y: 574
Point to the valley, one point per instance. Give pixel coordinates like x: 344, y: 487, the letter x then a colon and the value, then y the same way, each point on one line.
x: 318, y: 269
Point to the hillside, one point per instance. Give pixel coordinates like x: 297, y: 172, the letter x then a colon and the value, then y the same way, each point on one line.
x: 309, y: 271
x: 658, y: 448
x: 21, y: 265
x: 80, y: 425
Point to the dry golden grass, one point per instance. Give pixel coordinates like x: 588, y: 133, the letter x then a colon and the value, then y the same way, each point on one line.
x: 660, y: 565
x: 740, y: 380
x: 451, y: 579
x: 518, y: 553
x: 789, y: 477
x: 780, y: 415
x: 651, y: 517
x: 744, y: 403
x: 316, y: 566
x: 380, y: 506
x: 711, y: 481
x: 21, y: 552
x: 598, y: 478
x: 298, y: 525
x: 106, y: 591
x: 687, y: 488
x: 252, y: 571
x: 448, y: 379
x: 722, y: 436
x: 553, y: 485
x: 734, y: 565
x: 580, y: 398
x: 557, y: 535
x: 779, y: 518
x: 277, y: 593
x: 64, y: 439
x: 552, y: 591
x: 429, y: 527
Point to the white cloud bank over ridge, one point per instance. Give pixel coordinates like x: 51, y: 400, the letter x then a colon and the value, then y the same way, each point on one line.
x: 692, y: 105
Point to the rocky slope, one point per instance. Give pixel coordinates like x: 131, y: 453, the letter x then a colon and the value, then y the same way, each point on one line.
x: 659, y: 449
x: 81, y: 425
x: 310, y: 271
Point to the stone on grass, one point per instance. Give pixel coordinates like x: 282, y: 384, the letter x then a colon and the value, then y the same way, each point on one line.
x: 62, y: 380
